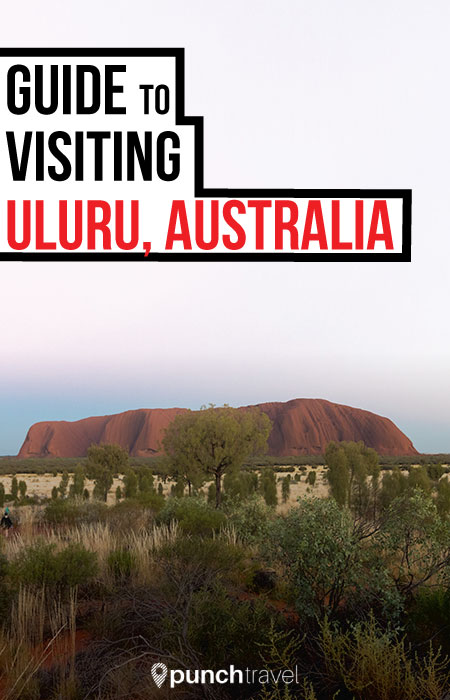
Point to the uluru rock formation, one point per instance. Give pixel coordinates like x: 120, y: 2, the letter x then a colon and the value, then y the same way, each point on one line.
x: 300, y: 426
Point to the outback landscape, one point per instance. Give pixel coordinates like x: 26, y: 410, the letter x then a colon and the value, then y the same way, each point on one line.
x: 270, y: 545
x: 304, y: 535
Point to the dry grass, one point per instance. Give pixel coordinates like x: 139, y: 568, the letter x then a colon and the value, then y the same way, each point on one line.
x: 44, y: 627
x: 101, y: 539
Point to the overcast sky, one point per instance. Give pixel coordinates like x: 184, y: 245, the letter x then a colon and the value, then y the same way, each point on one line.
x: 294, y: 94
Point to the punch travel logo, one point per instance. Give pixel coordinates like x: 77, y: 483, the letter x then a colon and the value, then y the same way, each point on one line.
x: 223, y: 676
x: 159, y: 673
x: 98, y: 161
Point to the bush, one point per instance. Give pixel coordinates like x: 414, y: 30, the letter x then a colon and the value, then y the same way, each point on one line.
x: 205, y: 558
x: 68, y: 512
x: 250, y: 519
x: 415, y: 540
x: 373, y: 664
x: 328, y: 564
x: 268, y: 486
x: 286, y: 487
x: 443, y: 498
x: 41, y: 565
x: 121, y: 563
x: 240, y: 484
x: 221, y: 628
x: 152, y: 500
x: 75, y: 565
x: 435, y: 471
x: 194, y: 516
x: 311, y: 478
x: 128, y: 514
x: 429, y: 618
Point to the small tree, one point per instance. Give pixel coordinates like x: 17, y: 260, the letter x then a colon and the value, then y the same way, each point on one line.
x: 130, y: 484
x: 145, y: 480
x: 177, y: 489
x: 55, y: 493
x: 22, y: 489
x: 2, y: 495
x: 14, y: 488
x: 240, y: 484
x: 102, y: 484
x: 286, y: 488
x: 418, y: 478
x: 416, y: 541
x: 118, y: 493
x: 349, y: 466
x: 78, y: 479
x: 311, y: 478
x: 443, y: 498
x: 112, y: 456
x: 435, y: 471
x: 329, y: 561
x: 103, y: 461
x: 393, y: 485
x: 268, y: 486
x: 63, y: 484
x: 213, y: 441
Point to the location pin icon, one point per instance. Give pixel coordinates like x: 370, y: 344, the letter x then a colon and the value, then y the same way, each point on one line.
x: 159, y: 673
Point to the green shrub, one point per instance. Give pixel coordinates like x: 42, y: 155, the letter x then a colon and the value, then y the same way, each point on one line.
x: 128, y: 513
x: 311, y: 478
x: 14, y: 488
x: 418, y: 479
x: 130, y: 481
x: 370, y: 663
x: 152, y: 500
x: 41, y: 565
x: 268, y: 486
x: 328, y: 564
x: 75, y: 565
x: 68, y: 512
x: 443, y: 497
x: 221, y: 628
x: 207, y: 559
x: 194, y: 516
x: 250, y: 519
x: 435, y: 471
x: 121, y: 563
x: 240, y: 484
x: 429, y: 618
x: 286, y: 487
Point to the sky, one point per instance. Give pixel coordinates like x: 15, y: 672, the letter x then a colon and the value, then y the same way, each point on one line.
x: 294, y: 94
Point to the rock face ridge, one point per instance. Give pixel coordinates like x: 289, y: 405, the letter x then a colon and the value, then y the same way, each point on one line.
x: 300, y: 426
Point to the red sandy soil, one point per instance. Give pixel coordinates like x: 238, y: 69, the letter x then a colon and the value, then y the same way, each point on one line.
x: 300, y: 426
x: 60, y: 651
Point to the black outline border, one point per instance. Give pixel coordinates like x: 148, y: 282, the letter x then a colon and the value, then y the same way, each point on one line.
x: 230, y: 193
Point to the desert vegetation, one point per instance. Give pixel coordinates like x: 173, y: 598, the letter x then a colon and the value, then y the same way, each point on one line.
x: 351, y: 589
